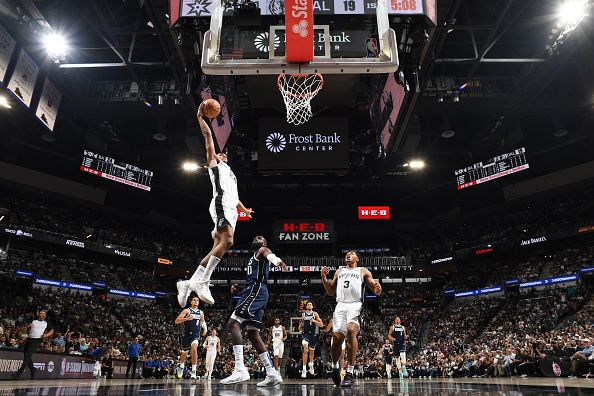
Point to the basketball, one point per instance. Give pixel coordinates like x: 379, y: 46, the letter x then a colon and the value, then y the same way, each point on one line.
x: 211, y: 108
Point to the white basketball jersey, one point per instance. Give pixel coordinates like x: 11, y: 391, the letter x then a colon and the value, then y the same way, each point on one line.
x: 224, y: 185
x: 277, y: 334
x: 349, y: 287
x: 211, y: 343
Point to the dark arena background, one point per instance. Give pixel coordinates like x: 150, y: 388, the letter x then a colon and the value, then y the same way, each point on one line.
x: 449, y: 143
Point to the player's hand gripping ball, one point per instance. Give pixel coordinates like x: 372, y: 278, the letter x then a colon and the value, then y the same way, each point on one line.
x: 210, y: 108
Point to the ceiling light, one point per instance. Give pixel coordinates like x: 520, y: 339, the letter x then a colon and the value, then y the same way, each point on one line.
x: 160, y: 99
x: 456, y: 97
x: 4, y: 102
x: 572, y: 12
x: 147, y: 103
x: 160, y: 136
x: 190, y: 166
x: 417, y: 164
x: 56, y: 46
x: 448, y: 134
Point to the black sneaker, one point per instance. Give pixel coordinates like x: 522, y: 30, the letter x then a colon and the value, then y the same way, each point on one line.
x: 347, y: 382
x: 33, y: 371
x: 336, y: 376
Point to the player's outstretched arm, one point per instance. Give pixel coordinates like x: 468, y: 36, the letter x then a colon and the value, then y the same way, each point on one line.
x: 284, y: 334
x: 211, y: 155
x: 183, y: 317
x: 373, y: 284
x: 245, y: 210
x: 330, y: 287
x: 390, y: 334
x: 271, y: 257
x: 317, y: 320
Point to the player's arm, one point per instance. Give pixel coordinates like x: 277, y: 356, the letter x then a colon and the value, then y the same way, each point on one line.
x: 203, y: 325
x: 218, y: 345
x: 381, y: 351
x: 270, y: 336
x: 317, y: 320
x: 183, y: 317
x: 245, y: 210
x: 211, y: 157
x: 405, y: 336
x: 330, y: 287
x: 328, y: 326
x: 284, y: 334
x: 48, y: 334
x: 390, y: 334
x: 204, y: 343
x: 371, y: 283
x: 271, y: 257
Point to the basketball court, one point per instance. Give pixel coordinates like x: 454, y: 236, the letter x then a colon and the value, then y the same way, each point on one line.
x: 441, y: 386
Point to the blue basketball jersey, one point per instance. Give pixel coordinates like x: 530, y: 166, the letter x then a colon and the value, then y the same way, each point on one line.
x: 193, y: 326
x: 308, y: 325
x: 257, y: 271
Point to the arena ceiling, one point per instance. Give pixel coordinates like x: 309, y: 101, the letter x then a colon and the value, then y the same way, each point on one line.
x: 487, y: 73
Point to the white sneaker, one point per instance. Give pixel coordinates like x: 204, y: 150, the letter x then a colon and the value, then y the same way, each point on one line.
x: 202, y: 288
x: 236, y: 376
x: 271, y: 380
x: 180, y: 372
x: 303, y: 373
x: 311, y: 368
x: 193, y: 375
x: 183, y: 292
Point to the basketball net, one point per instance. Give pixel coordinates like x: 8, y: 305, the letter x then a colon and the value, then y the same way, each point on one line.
x: 298, y: 90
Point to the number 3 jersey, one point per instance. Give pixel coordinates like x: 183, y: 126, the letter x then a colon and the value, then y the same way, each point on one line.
x: 349, y: 287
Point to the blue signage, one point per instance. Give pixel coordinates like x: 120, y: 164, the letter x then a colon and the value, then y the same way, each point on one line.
x: 100, y: 284
x: 128, y: 293
x: 549, y: 281
x: 160, y: 293
x: 586, y: 270
x: 487, y: 290
x: 511, y: 282
x: 450, y: 291
x: 68, y: 285
x: 27, y: 274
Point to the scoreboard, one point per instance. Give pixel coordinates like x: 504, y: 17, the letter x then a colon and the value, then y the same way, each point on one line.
x: 118, y: 171
x: 502, y: 165
x: 203, y: 8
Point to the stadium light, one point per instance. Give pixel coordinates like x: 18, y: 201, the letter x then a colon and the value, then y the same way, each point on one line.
x: 4, y: 102
x: 190, y: 166
x: 56, y: 46
x: 416, y: 164
x: 572, y: 12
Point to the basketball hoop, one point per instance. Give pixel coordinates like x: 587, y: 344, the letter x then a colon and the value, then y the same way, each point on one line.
x: 298, y: 90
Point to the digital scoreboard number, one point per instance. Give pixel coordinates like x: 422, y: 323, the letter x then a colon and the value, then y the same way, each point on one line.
x: 502, y: 165
x: 118, y: 171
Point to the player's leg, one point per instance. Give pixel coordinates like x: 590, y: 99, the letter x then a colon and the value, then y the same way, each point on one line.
x: 403, y: 363
x: 201, y: 286
x: 240, y: 373
x: 335, y: 354
x: 352, y: 348
x: 398, y: 365
x: 312, y: 352
x: 305, y: 345
x: 253, y: 331
x: 182, y: 363
x: 194, y: 358
x: 388, y: 369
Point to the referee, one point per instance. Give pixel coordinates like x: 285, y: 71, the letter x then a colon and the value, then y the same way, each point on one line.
x: 38, y: 330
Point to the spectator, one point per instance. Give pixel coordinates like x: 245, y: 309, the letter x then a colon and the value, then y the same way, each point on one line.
x: 133, y: 353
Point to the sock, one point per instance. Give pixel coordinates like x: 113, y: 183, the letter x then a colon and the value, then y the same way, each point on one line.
x: 197, y: 274
x: 194, y: 366
x: 238, y: 353
x: 310, y: 364
x: 304, y: 367
x: 267, y: 363
x: 210, y: 266
x: 181, y: 366
x: 336, y: 365
x: 350, y: 369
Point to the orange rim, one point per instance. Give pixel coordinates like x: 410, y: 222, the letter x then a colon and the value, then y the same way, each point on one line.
x: 280, y: 87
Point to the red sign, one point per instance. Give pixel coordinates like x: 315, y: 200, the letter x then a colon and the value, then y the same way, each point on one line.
x: 299, y: 30
x: 374, y: 213
x: 316, y: 230
x: 242, y: 216
x: 483, y: 251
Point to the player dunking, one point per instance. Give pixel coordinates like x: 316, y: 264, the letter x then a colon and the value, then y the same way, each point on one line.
x: 310, y: 321
x: 193, y: 320
x: 223, y: 210
x: 347, y: 285
x: 212, y: 345
x: 249, y: 313
x: 277, y: 335
x: 397, y: 334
